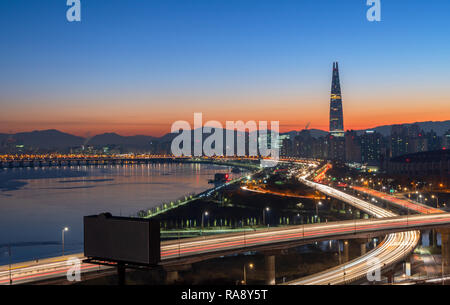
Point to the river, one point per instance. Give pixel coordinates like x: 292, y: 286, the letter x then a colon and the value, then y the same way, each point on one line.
x: 37, y: 203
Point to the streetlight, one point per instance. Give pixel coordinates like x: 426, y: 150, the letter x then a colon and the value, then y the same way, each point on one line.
x: 203, y: 218
x: 267, y: 209
x: 9, y: 254
x: 245, y: 272
x: 62, y: 234
x: 317, y: 208
x: 437, y: 200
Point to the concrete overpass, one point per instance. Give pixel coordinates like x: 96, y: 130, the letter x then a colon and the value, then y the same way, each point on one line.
x: 394, y: 247
x: 191, y: 250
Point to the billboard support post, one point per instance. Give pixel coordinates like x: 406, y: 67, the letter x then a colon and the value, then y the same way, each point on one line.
x: 121, y: 273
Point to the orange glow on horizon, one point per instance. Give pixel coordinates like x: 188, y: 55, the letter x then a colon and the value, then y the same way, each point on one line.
x: 149, y: 117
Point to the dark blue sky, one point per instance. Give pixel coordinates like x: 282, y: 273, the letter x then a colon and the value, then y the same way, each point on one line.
x: 169, y: 58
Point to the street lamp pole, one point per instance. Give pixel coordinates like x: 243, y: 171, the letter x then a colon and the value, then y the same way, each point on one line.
x: 266, y: 210
x: 339, y: 251
x: 62, y: 234
x: 9, y: 253
x: 407, y: 215
x: 245, y: 272
x: 437, y: 200
x: 203, y: 218
x: 317, y: 208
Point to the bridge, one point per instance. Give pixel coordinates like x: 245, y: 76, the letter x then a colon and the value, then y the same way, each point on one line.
x: 42, y: 160
x: 191, y: 250
x: 58, y: 161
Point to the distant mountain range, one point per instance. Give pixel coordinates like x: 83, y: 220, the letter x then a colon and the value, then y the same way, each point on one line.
x: 439, y: 127
x: 43, y: 139
x: 57, y: 140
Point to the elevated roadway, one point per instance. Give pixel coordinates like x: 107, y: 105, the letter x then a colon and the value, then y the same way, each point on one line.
x: 195, y: 249
x: 394, y: 247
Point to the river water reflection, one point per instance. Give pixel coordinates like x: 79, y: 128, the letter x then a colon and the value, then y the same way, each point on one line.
x: 36, y: 204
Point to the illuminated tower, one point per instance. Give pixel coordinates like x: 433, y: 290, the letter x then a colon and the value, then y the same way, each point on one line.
x: 336, y: 139
x: 336, y: 116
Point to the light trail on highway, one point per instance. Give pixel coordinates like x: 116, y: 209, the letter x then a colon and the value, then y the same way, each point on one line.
x: 297, y: 233
x: 242, y: 241
x: 421, y: 208
x: 261, y: 191
x: 393, y: 248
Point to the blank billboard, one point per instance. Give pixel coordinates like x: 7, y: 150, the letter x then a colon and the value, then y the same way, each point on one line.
x: 122, y: 239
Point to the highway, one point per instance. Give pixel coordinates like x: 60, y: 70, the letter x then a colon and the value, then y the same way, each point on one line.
x: 238, y: 242
x: 330, y: 230
x: 356, y: 202
x: 415, y: 206
x: 28, y: 272
x: 262, y: 191
x: 393, y: 248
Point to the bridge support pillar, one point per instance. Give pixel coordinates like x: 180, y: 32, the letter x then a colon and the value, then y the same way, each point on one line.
x: 445, y: 249
x: 374, y: 241
x: 269, y: 261
x: 173, y: 272
x: 433, y: 238
x: 172, y: 276
x: 346, y: 250
x: 121, y: 274
x: 363, y: 245
x: 363, y: 248
x: 390, y: 273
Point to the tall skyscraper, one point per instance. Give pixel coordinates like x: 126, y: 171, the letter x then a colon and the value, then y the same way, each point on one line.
x: 336, y: 115
x: 336, y: 139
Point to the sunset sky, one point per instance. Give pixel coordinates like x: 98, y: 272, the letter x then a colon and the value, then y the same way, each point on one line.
x: 135, y: 67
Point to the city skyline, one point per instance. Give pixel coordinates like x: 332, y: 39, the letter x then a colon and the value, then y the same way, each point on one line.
x: 174, y: 59
x: 196, y: 148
